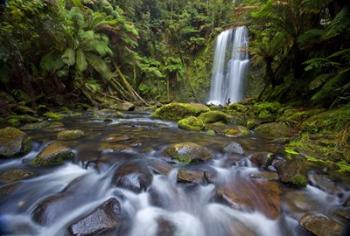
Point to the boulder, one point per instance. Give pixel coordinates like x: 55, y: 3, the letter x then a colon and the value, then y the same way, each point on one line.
x: 160, y: 166
x: 321, y: 225
x: 214, y: 116
x: 133, y: 175
x: 261, y: 159
x: 191, y: 123
x: 105, y: 218
x: 178, y: 111
x: 70, y: 134
x: 188, y: 152
x: 14, y: 142
x: 293, y: 172
x: 54, y: 154
x: 234, y: 147
x: 274, y: 130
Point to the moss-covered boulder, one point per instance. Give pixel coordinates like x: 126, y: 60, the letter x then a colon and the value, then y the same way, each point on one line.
x: 293, y: 172
x: 178, y: 111
x: 214, y: 116
x: 14, y: 142
x: 70, y: 134
x: 191, y: 123
x: 274, y: 130
x: 188, y: 152
x: 267, y: 111
x: 238, y: 131
x: 54, y: 154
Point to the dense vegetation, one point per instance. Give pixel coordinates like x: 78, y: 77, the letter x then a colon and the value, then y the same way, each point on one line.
x: 111, y: 50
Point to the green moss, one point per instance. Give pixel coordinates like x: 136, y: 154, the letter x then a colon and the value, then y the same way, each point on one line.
x: 238, y: 107
x: 296, y: 116
x: 331, y: 120
x: 53, y: 116
x: 191, y: 123
x: 344, y: 167
x: 298, y: 181
x: 274, y: 130
x: 188, y: 152
x: 214, y: 116
x: 178, y: 111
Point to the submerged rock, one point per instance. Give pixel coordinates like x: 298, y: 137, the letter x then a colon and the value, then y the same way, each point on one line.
x: 54, y: 154
x: 13, y: 175
x: 105, y: 218
x: 134, y: 175
x: 262, y: 196
x: 70, y: 134
x: 274, y: 130
x: 188, y: 152
x: 321, y: 225
x: 178, y: 111
x: 14, y: 142
x: 116, y: 138
x: 191, y: 123
x: 214, y: 116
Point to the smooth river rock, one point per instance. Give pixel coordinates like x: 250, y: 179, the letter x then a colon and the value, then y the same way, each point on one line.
x: 14, y: 142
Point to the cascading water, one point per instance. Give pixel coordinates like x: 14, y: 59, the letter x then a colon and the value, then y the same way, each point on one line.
x: 230, y: 66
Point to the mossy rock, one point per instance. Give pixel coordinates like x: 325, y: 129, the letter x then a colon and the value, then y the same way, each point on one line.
x: 214, y: 116
x: 14, y: 142
x: 267, y: 111
x: 238, y: 131
x: 293, y: 172
x: 274, y: 130
x: 178, y: 111
x: 191, y: 123
x: 236, y: 118
x: 332, y: 120
x: 13, y: 175
x: 238, y: 107
x: 70, y: 134
x: 54, y: 154
x: 188, y: 152
x: 53, y: 116
x: 35, y: 126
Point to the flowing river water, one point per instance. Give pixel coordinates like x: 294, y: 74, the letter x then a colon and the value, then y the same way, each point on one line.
x: 136, y: 179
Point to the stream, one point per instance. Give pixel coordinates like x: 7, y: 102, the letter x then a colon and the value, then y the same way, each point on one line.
x: 131, y: 187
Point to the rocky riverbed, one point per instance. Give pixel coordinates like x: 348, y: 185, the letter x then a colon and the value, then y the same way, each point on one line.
x: 101, y: 173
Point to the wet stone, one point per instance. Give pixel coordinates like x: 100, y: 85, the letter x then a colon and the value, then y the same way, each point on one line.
x: 54, y: 154
x: 165, y: 227
x: 195, y: 176
x: 189, y: 152
x: 135, y: 176
x: 105, y: 218
x: 13, y: 142
x: 321, y: 225
x: 234, y: 147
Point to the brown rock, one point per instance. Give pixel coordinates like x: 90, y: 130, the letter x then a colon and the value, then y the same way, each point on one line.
x: 321, y: 225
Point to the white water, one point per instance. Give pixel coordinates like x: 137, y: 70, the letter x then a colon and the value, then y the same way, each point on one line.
x: 230, y: 66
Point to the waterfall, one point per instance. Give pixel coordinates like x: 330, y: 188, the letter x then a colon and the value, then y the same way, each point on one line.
x: 230, y: 66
